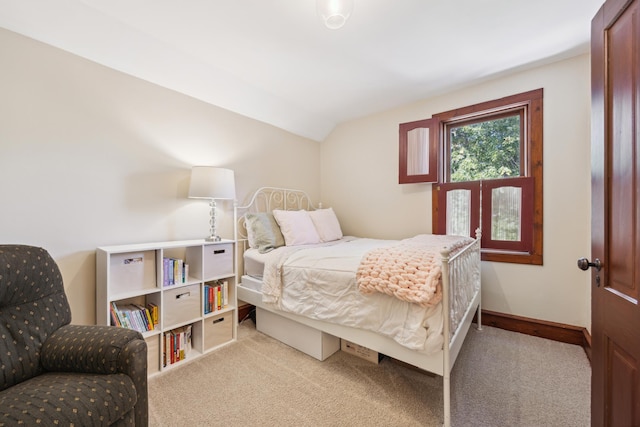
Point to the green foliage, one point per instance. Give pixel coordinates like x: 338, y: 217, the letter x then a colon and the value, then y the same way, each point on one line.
x: 485, y: 150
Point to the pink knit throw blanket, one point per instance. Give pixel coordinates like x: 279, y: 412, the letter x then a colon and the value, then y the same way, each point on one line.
x: 411, y: 270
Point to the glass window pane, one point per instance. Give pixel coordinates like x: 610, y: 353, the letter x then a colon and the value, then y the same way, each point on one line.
x: 418, y: 151
x: 459, y: 212
x: 485, y: 150
x: 506, y: 213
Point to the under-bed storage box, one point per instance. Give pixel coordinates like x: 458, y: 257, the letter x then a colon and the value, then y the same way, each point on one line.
x: 360, y: 351
x: 315, y: 343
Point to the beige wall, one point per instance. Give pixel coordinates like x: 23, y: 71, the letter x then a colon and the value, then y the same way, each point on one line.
x: 359, y: 170
x: 91, y: 157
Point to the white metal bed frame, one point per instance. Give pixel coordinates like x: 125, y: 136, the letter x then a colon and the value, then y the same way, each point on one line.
x: 462, y: 267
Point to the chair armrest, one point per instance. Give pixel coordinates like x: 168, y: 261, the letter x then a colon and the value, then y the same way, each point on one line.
x: 101, y: 350
x: 88, y: 349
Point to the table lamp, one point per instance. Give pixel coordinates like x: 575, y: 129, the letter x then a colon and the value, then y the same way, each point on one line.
x: 212, y: 183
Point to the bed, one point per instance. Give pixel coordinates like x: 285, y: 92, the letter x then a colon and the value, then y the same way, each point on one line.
x: 412, y: 299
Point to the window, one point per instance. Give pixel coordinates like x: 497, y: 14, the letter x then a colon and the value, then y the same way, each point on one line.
x: 486, y: 148
x: 491, y: 177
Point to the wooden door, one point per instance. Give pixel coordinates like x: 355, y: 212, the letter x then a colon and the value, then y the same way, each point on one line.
x: 615, y: 251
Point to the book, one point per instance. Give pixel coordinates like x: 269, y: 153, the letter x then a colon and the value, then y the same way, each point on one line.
x: 212, y: 297
x: 128, y: 321
x: 113, y: 310
x: 155, y: 313
x: 150, y: 323
x: 175, y: 271
x: 121, y: 317
x: 142, y: 322
x: 133, y: 316
x: 132, y: 313
x: 177, y: 345
x: 225, y: 296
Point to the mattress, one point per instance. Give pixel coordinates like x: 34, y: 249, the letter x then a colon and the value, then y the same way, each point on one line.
x: 254, y: 263
x: 319, y: 281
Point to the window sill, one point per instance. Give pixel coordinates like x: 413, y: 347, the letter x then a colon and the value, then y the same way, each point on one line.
x: 512, y: 257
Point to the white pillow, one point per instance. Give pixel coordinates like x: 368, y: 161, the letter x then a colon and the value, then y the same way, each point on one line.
x: 296, y: 227
x: 326, y: 224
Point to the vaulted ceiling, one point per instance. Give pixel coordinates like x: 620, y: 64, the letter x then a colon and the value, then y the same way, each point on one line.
x: 274, y: 61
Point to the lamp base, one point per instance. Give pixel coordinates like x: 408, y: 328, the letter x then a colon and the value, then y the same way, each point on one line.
x: 213, y: 235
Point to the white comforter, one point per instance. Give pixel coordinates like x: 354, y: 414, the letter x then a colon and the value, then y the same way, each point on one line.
x: 319, y: 281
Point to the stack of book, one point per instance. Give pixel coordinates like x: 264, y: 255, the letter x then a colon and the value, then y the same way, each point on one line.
x: 175, y: 271
x: 134, y: 316
x: 216, y: 296
x: 176, y: 345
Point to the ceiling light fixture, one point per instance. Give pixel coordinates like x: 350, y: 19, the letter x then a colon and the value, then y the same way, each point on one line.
x: 334, y: 13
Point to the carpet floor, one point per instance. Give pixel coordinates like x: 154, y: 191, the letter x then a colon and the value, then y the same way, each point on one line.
x: 501, y: 378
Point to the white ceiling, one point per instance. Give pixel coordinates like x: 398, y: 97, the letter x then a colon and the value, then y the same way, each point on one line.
x: 273, y: 60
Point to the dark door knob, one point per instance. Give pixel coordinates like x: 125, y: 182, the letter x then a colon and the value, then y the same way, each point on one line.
x: 584, y: 264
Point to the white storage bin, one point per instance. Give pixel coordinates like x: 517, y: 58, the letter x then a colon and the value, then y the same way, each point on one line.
x: 218, y: 260
x: 132, y: 271
x: 181, y: 305
x: 218, y: 330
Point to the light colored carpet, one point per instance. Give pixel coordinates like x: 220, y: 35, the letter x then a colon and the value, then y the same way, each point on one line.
x: 501, y: 378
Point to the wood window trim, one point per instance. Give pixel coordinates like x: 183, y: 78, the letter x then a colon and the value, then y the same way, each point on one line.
x: 533, y: 166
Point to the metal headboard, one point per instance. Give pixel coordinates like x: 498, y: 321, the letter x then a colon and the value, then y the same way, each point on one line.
x: 266, y: 199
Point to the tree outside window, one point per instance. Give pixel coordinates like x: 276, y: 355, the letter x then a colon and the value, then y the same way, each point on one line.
x: 485, y: 150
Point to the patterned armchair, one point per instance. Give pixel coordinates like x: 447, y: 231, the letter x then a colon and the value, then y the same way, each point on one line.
x: 54, y: 373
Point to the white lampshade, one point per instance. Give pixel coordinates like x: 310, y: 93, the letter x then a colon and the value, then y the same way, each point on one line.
x: 208, y: 182
x: 334, y: 13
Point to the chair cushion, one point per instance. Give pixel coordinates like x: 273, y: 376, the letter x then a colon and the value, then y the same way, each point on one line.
x: 68, y: 399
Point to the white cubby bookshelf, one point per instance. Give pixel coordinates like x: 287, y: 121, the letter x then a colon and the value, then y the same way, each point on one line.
x: 138, y: 275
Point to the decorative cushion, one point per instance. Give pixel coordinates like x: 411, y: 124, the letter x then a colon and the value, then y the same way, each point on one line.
x: 326, y: 224
x: 297, y: 227
x: 263, y: 232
